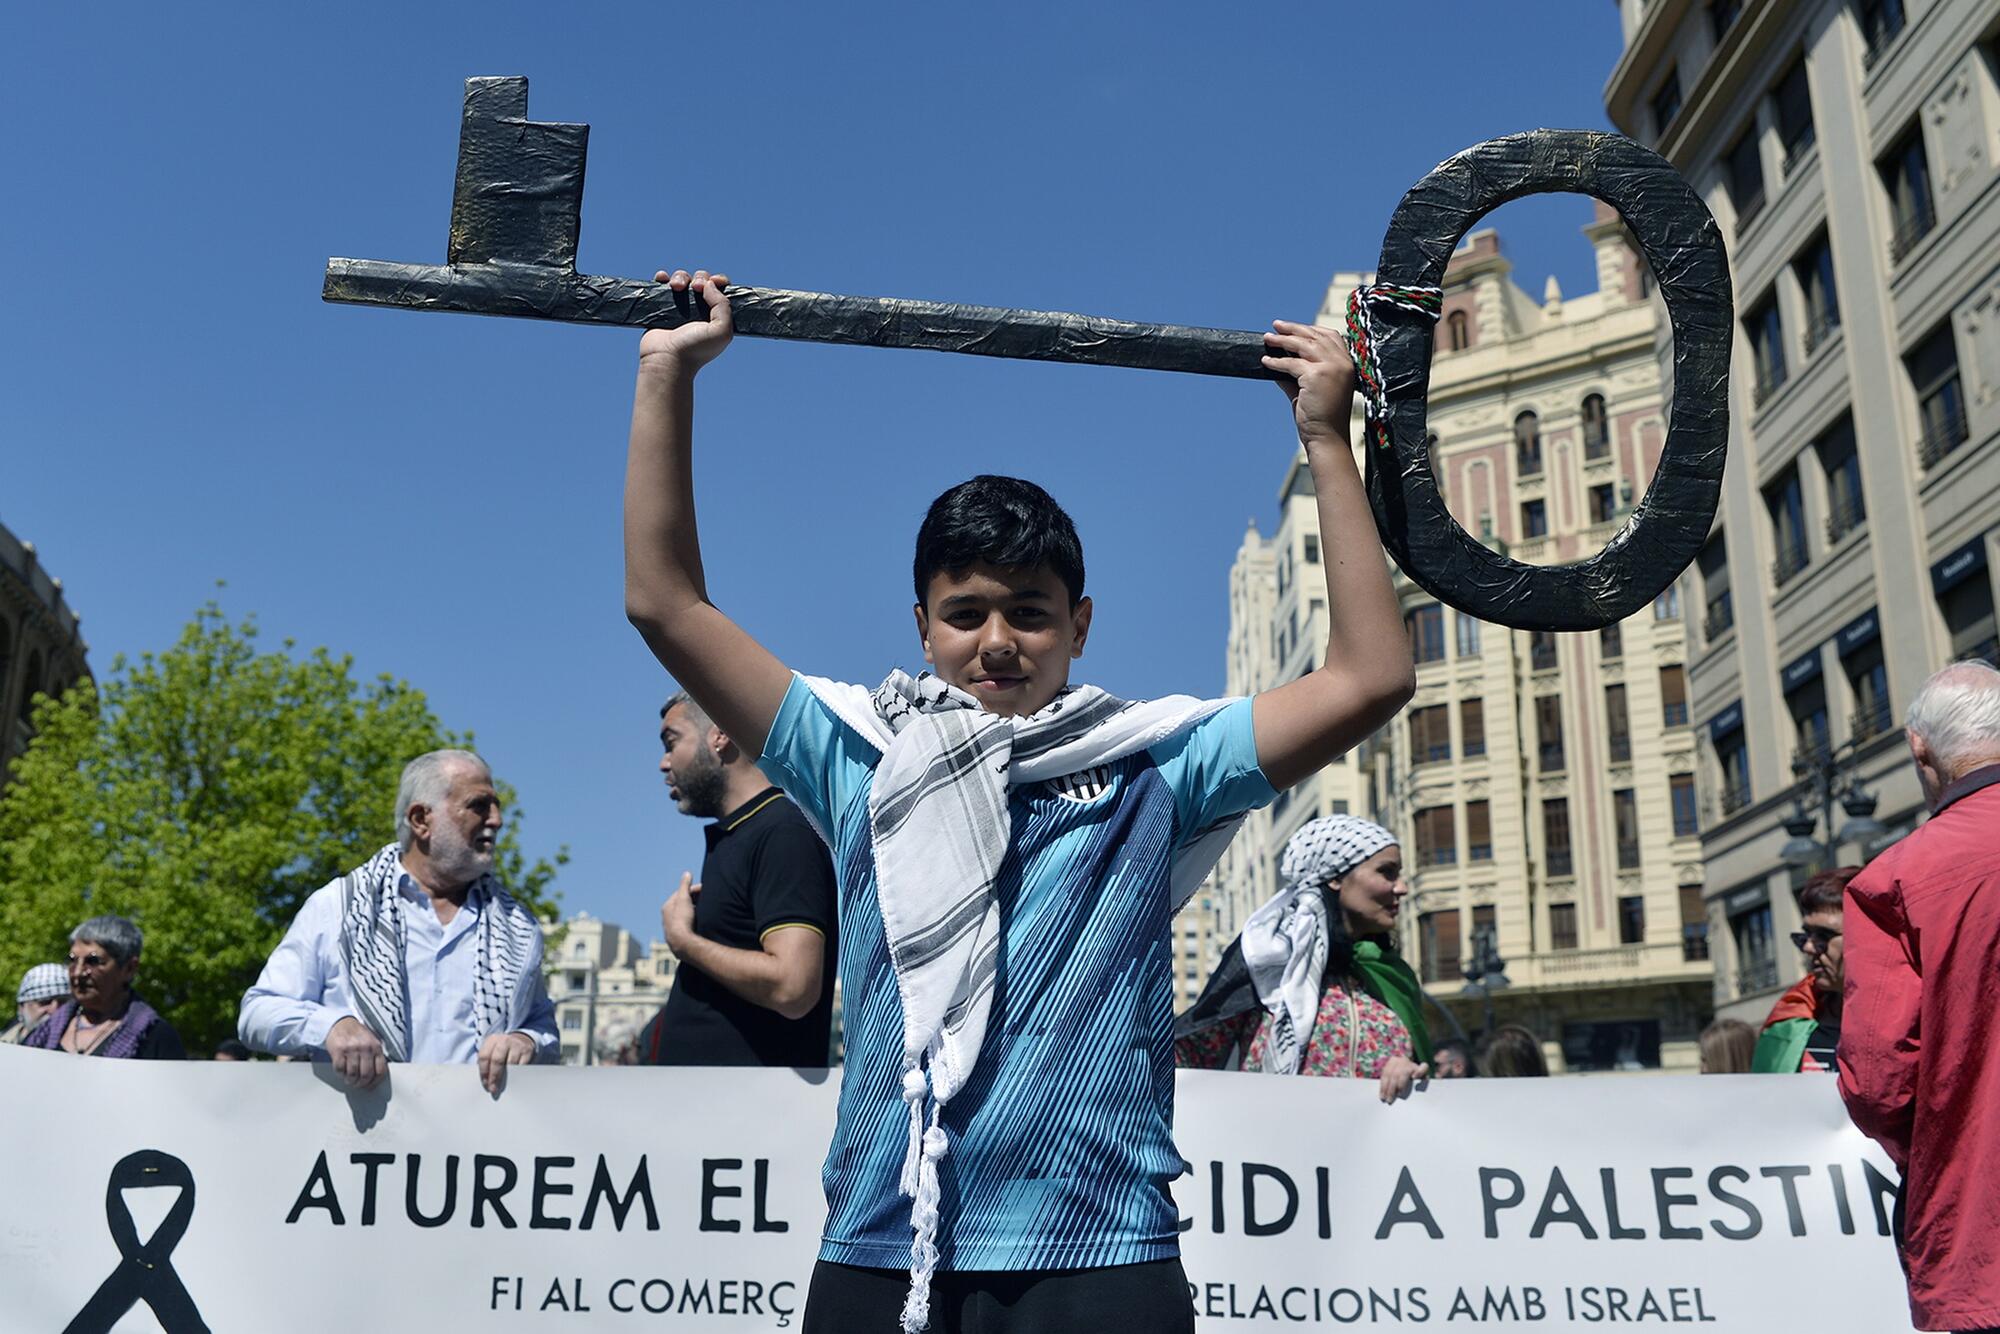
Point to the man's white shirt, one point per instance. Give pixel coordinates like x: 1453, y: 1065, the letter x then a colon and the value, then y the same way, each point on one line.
x: 302, y: 992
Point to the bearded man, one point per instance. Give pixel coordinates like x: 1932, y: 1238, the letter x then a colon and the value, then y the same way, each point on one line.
x: 416, y: 955
x: 756, y: 938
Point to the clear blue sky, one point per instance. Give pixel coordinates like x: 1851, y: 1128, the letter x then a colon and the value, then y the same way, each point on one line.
x: 438, y: 495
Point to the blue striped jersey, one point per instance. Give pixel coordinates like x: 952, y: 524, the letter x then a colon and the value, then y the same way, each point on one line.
x: 1062, y: 1142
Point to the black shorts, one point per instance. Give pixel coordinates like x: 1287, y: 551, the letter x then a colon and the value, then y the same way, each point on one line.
x: 1152, y: 1297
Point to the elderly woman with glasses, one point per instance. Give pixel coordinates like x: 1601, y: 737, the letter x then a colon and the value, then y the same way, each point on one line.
x: 1803, y: 1031
x: 103, y: 1017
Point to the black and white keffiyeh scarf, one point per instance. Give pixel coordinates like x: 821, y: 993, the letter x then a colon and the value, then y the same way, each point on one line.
x: 374, y: 935
x: 939, y: 824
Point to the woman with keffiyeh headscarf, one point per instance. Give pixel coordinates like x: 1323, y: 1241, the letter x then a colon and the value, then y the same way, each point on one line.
x: 1314, y: 985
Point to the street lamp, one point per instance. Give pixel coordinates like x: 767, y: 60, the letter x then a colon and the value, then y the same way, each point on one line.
x: 1824, y: 776
x: 1485, y: 972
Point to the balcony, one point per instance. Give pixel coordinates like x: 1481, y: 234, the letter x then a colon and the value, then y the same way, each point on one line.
x: 1756, y: 975
x: 1911, y: 230
x: 1871, y: 719
x: 1795, y: 152
x: 1567, y: 966
x: 1479, y: 852
x: 1596, y: 443
x: 1542, y: 655
x: 1621, y: 748
x: 1559, y: 863
x: 1528, y: 463
x: 1694, y: 944
x: 1552, y: 759
x: 1628, y: 856
x: 1821, y: 327
x: 1770, y: 379
x: 1947, y: 431
x: 1734, y: 797
x: 1674, y: 714
x: 1721, y: 616
x: 1791, y: 560
x: 1848, y: 514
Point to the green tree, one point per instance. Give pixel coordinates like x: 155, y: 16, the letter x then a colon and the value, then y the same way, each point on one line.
x: 205, y: 792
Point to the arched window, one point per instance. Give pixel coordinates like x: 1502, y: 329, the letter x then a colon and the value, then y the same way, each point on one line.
x: 1596, y: 428
x: 31, y: 684
x: 1528, y: 444
x: 1458, y: 331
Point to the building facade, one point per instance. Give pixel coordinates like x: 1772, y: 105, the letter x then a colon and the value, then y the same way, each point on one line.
x: 41, y: 647
x: 1848, y: 149
x: 1542, y: 786
x: 605, y: 986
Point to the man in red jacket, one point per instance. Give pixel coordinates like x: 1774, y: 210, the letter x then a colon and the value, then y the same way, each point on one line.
x: 1920, y: 1034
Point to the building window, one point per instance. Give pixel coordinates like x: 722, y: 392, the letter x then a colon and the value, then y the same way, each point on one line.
x: 1459, y: 331
x: 1312, y: 549
x: 1611, y: 642
x: 1542, y: 650
x: 1437, y: 842
x: 572, y: 1022
x: 1714, y: 563
x: 1881, y: 21
x: 1785, y: 504
x: 1468, y: 634
x: 1694, y: 925
x: 1807, y: 706
x: 1680, y: 788
x: 1744, y: 167
x: 1722, y: 14
x: 1534, y: 519
x: 1625, y: 814
x: 1838, y: 460
x: 1868, y: 680
x: 1617, y: 726
x: 1732, y: 759
x: 1438, y: 938
x: 1562, y: 926
x: 1814, y: 270
x: 1596, y: 428
x: 1969, y: 620
x: 1666, y: 103
x: 1795, y: 118
x: 1426, y: 625
x: 1906, y: 175
x: 1933, y: 367
x: 1766, y: 331
x: 1472, y: 727
x: 1667, y: 606
x: 1632, y: 920
x: 1603, y: 502
x: 1673, y: 696
x: 1528, y: 445
x: 1430, y: 734
x: 1555, y: 835
x: 1756, y: 959
x: 1478, y: 832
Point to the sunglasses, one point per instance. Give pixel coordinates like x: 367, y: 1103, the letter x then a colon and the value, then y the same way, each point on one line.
x: 1818, y: 935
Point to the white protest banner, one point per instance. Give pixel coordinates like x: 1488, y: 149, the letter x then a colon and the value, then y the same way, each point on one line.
x: 639, y: 1199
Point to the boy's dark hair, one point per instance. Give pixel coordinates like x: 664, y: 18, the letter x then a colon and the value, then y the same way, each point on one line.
x: 1827, y: 891
x: 999, y: 521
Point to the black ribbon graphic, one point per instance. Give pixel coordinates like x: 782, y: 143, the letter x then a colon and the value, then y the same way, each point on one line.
x: 144, y: 1273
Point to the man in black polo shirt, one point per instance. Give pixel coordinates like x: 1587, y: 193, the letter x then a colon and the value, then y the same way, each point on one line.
x: 756, y: 937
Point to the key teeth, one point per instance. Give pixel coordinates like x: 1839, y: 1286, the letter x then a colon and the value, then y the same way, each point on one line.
x: 518, y: 194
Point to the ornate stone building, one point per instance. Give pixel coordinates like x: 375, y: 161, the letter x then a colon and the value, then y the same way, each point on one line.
x: 1850, y: 151
x: 605, y: 986
x: 41, y: 648
x: 1542, y: 785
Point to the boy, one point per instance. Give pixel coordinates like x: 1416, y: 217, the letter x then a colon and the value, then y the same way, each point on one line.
x: 1009, y: 853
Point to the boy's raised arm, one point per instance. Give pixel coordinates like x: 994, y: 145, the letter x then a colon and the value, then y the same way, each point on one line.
x: 736, y: 680
x: 1367, y: 674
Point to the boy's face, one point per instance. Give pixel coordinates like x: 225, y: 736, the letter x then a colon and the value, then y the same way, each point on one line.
x: 1005, y: 637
